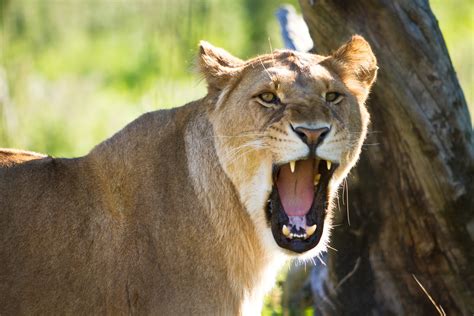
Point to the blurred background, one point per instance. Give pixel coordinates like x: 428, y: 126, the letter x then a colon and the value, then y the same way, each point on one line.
x: 72, y: 72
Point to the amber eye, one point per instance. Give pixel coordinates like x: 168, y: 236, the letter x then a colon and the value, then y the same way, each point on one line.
x: 332, y: 96
x: 268, y: 97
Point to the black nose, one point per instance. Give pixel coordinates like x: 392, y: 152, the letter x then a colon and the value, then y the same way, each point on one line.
x: 312, y: 137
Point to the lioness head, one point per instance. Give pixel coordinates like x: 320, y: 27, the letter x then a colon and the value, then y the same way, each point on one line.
x: 288, y: 127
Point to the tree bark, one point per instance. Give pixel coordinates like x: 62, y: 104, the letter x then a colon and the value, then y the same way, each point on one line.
x: 411, y: 198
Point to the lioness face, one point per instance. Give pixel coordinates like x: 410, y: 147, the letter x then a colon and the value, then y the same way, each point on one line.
x: 288, y: 127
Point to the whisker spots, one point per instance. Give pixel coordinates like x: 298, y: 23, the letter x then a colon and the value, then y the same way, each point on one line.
x: 278, y: 130
x: 281, y: 139
x: 336, y: 141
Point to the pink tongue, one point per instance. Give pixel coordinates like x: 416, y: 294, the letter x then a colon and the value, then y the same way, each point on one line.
x: 296, y: 189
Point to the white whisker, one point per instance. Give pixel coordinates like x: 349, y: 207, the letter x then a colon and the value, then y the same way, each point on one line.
x: 332, y: 248
x: 347, y: 202
x: 242, y: 150
x: 269, y: 76
x: 321, y: 260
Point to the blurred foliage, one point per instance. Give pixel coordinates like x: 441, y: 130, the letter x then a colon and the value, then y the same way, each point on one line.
x: 456, y: 20
x: 72, y: 72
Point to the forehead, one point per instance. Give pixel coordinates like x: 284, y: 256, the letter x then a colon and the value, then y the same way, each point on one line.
x: 312, y: 73
x: 289, y: 69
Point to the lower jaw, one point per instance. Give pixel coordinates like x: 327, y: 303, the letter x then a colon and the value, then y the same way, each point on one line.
x: 315, y: 216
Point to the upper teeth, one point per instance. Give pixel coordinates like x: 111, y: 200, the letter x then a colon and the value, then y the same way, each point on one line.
x: 292, y: 166
x: 328, y: 164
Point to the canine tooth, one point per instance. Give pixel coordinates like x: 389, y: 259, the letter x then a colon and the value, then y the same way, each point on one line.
x: 292, y: 166
x: 291, y: 235
x: 328, y: 164
x: 285, y: 231
x: 310, y: 230
x: 316, y: 179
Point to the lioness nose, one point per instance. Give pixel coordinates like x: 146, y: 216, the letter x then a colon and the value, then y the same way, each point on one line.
x: 312, y: 137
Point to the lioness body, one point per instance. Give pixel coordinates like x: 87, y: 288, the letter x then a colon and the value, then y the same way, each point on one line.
x: 155, y: 220
x: 78, y: 236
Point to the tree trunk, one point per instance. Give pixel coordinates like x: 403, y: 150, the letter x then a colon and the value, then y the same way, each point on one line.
x: 411, y: 198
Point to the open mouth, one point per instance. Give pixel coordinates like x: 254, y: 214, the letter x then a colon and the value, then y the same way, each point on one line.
x: 298, y: 203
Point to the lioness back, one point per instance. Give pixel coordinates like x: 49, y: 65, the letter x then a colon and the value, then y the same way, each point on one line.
x: 55, y: 239
x: 46, y: 238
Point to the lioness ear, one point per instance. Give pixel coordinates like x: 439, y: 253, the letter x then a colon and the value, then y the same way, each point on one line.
x: 217, y: 65
x: 355, y: 63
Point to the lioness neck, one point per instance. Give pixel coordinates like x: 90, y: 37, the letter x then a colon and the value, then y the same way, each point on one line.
x: 161, y: 178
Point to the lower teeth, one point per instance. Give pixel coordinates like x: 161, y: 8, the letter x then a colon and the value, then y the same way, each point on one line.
x: 300, y: 236
x: 309, y: 231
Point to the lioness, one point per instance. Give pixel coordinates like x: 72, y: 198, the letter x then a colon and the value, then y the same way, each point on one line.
x: 189, y: 211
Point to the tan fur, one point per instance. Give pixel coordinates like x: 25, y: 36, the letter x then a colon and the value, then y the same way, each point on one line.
x: 10, y: 157
x: 167, y: 216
